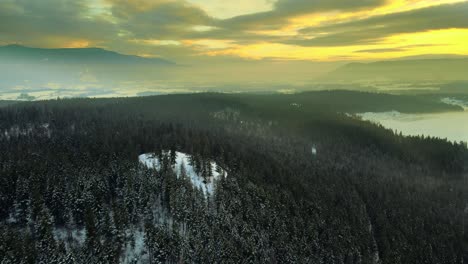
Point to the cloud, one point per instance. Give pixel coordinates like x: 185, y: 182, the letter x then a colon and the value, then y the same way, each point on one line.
x: 381, y: 50
x: 285, y: 9
x: 396, y: 49
x: 163, y: 19
x: 51, y: 22
x: 117, y: 24
x: 373, y: 30
x: 174, y: 29
x: 228, y: 9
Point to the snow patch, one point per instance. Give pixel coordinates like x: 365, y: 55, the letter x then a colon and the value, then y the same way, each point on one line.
x: 135, y: 251
x: 296, y: 105
x: 183, y: 162
x: 314, y: 151
x: 28, y: 129
x: 70, y: 236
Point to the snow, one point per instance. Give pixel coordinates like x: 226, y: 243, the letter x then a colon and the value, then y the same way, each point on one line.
x: 77, y: 235
x: 296, y: 105
x: 150, y: 160
x: 28, y: 129
x: 380, y: 115
x: 135, y: 252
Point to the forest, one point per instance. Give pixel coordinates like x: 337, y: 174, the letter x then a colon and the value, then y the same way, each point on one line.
x: 306, y: 181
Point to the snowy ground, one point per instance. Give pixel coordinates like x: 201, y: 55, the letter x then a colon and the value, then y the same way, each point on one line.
x: 150, y: 160
x: 135, y: 252
x: 77, y: 236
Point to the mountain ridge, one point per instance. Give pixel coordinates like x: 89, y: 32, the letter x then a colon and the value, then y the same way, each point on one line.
x: 446, y: 69
x: 15, y: 53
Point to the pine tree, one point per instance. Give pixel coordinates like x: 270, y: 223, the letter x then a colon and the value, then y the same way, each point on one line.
x: 45, y: 242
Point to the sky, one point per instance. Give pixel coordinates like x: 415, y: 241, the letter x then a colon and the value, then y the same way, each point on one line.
x: 226, y: 46
x: 215, y: 31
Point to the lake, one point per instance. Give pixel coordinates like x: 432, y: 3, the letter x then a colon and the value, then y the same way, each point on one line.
x: 452, y: 125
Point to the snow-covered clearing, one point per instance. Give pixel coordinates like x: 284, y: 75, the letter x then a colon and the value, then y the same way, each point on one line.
x: 183, y: 163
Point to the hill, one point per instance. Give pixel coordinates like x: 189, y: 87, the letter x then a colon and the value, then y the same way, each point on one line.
x: 408, y: 70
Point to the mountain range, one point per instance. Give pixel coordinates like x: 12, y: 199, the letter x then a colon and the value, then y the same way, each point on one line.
x: 413, y: 69
x: 21, y: 54
x: 417, y: 68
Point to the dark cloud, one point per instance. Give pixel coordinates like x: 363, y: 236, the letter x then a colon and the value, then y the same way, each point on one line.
x: 43, y: 22
x: 374, y: 29
x: 160, y: 19
x: 286, y: 9
x: 381, y: 50
x: 396, y: 49
x: 57, y: 23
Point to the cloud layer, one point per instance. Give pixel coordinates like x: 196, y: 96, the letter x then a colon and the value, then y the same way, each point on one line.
x: 189, y: 31
x: 374, y: 29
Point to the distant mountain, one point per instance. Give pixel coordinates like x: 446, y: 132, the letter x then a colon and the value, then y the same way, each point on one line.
x: 445, y: 69
x: 431, y: 57
x: 22, y: 54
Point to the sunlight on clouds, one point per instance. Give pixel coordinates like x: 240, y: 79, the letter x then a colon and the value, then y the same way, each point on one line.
x: 288, y: 52
x: 455, y: 38
x: 202, y: 28
x: 443, y: 41
x: 99, y: 7
x: 209, y: 44
x: 77, y: 44
x: 451, y: 41
x: 334, y: 17
x: 228, y: 9
x: 156, y: 42
x: 182, y: 29
x: 431, y: 42
x: 395, y: 6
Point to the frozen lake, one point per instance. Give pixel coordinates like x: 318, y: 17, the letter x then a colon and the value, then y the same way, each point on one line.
x: 451, y: 125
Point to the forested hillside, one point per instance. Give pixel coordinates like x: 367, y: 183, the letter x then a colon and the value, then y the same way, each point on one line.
x: 305, y: 182
x: 6, y: 102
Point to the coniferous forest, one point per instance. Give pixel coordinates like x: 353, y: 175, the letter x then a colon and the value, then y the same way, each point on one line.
x: 304, y: 181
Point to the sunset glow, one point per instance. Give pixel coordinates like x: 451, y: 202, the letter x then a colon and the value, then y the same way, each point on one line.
x: 259, y: 29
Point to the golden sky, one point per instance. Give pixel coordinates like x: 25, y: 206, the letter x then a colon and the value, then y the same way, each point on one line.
x: 214, y: 30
